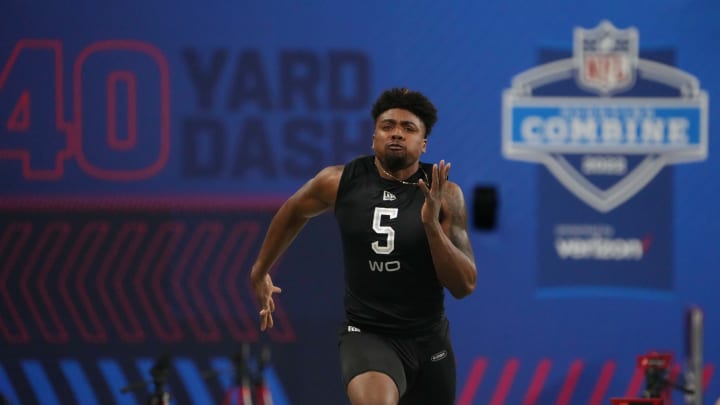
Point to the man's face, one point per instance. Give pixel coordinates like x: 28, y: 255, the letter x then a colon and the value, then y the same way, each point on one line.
x: 399, y: 138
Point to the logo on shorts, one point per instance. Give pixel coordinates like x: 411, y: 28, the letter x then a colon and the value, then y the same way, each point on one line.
x: 438, y: 356
x: 353, y: 329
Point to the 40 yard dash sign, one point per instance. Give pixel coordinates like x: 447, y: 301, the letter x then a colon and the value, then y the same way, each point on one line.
x: 43, y: 125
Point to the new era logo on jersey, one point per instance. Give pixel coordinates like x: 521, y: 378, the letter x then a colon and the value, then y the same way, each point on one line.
x: 388, y: 196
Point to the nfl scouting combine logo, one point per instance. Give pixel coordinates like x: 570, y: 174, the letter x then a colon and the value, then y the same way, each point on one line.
x: 609, y: 139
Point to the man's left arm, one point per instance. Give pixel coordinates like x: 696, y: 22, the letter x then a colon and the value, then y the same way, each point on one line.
x: 452, y: 252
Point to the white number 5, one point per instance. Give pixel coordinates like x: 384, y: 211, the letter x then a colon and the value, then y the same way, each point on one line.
x: 384, y: 230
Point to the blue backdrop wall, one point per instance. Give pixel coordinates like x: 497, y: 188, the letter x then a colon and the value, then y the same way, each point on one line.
x: 145, y: 146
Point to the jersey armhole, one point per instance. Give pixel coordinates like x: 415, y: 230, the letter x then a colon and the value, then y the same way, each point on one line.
x: 341, y: 186
x: 350, y: 169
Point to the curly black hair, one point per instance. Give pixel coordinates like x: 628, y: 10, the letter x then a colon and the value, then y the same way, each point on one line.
x: 413, y: 101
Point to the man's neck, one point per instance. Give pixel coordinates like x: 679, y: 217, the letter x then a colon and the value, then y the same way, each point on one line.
x: 399, y: 175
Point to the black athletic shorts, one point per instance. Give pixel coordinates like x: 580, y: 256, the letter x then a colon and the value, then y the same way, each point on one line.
x: 423, y: 368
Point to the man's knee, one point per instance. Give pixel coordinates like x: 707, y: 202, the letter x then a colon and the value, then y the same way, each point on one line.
x: 373, y: 388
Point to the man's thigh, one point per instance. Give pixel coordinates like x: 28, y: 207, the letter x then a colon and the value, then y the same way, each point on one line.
x: 434, y: 382
x: 361, y: 352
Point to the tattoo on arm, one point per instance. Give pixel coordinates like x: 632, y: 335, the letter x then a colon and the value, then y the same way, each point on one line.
x: 458, y: 222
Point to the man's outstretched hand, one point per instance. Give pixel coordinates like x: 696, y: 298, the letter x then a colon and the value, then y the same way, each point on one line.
x: 264, y: 289
x: 434, y: 195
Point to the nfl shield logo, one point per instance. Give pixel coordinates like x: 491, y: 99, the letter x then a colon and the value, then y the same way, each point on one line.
x: 605, y: 149
x: 606, y: 58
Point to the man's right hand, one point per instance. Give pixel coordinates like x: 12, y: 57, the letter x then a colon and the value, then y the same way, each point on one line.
x: 264, y: 289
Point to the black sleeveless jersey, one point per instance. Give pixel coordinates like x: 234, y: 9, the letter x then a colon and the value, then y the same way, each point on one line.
x: 390, y: 281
